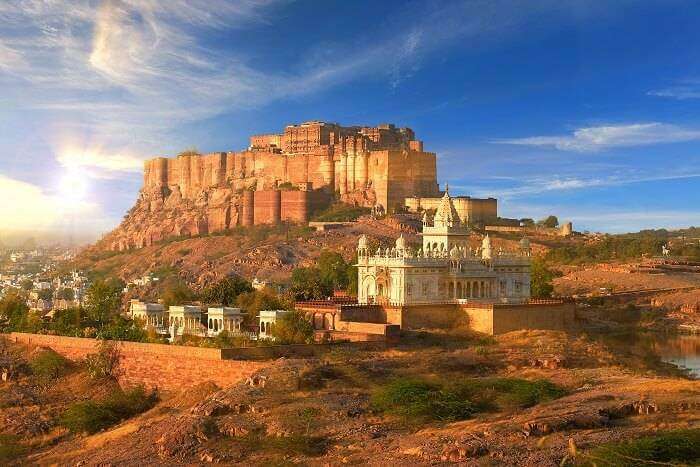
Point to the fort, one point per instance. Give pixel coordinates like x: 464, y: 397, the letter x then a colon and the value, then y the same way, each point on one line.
x: 279, y: 177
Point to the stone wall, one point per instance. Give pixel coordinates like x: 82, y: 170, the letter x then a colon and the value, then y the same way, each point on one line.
x: 167, y: 367
x: 488, y: 318
x: 470, y: 210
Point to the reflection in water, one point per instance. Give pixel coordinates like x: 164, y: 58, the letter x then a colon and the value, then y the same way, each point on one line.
x: 649, y: 350
x: 680, y: 350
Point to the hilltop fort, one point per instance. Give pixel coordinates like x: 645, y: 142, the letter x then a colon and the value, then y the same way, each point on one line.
x: 279, y: 177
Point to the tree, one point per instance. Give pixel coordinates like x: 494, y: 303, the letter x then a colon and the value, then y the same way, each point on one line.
x: 307, y: 284
x: 334, y: 270
x: 541, y: 279
x: 226, y: 291
x: 27, y: 284
x: 550, y: 222
x: 176, y: 292
x: 293, y: 328
x: 103, y: 300
x: 527, y: 222
x: 266, y: 299
x: 14, y: 311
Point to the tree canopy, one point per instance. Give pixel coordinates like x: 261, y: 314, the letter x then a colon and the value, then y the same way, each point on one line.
x: 226, y: 291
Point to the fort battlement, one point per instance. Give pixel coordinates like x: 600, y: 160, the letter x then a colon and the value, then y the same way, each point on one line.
x: 279, y: 177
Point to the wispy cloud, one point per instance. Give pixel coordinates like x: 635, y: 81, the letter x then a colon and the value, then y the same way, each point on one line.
x: 539, y: 185
x: 686, y: 89
x: 597, y: 138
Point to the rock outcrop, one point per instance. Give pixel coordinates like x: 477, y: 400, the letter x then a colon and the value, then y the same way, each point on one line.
x: 279, y: 177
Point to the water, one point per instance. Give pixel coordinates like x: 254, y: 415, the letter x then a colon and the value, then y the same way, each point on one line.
x: 655, y: 351
x: 681, y: 350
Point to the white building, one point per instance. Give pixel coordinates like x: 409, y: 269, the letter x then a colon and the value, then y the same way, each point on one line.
x: 224, y: 319
x: 268, y: 318
x: 185, y: 319
x: 445, y: 269
x: 152, y: 314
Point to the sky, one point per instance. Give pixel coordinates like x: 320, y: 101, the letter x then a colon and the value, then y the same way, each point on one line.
x: 589, y: 110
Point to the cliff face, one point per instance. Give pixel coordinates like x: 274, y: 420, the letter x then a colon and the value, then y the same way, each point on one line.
x: 197, y: 194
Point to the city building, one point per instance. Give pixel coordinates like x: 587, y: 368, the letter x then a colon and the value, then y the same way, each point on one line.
x: 152, y: 314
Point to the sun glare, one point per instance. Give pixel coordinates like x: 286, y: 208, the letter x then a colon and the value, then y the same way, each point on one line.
x: 73, y: 187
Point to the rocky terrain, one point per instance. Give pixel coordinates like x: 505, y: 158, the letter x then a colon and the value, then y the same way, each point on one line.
x: 268, y: 253
x: 321, y: 411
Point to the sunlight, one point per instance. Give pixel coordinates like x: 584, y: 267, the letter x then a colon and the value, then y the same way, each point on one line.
x: 73, y: 187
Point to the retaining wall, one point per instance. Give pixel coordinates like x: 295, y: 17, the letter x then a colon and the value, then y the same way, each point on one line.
x: 167, y: 367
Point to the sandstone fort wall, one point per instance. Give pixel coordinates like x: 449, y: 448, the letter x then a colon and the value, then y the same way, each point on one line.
x: 166, y: 367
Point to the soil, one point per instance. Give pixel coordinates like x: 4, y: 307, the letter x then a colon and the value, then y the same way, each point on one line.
x: 295, y: 413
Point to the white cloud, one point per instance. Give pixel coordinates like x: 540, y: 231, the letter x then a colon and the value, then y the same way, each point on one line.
x: 96, y: 160
x: 591, y: 139
x: 27, y: 207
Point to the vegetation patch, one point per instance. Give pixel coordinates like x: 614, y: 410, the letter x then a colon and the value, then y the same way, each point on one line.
x: 93, y: 416
x: 421, y: 400
x: 341, y: 212
x: 317, y: 377
x: 48, y: 365
x: 295, y: 444
x: 11, y: 448
x: 677, y: 447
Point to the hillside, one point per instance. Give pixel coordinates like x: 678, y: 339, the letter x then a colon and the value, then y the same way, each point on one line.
x: 268, y: 253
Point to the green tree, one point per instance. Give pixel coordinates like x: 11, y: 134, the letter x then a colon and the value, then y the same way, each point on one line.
x: 307, y: 284
x: 14, y: 311
x: 27, y: 284
x: 549, y: 221
x: 527, y: 222
x: 176, y: 292
x: 334, y: 270
x: 103, y: 300
x: 69, y: 322
x: 226, y: 291
x: 293, y: 328
x: 541, y: 279
x: 266, y: 299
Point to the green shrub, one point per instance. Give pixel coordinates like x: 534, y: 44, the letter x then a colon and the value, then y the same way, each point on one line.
x: 418, y: 399
x: 47, y: 365
x: 507, y: 393
x: 10, y: 448
x: 92, y: 416
x: 105, y: 362
x: 341, y: 212
x: 415, y: 399
x: 677, y: 447
x: 293, y: 328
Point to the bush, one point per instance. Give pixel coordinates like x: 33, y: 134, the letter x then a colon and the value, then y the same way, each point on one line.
x: 677, y: 447
x: 420, y: 400
x: 293, y: 328
x: 341, y: 212
x: 11, y: 448
x: 104, y: 363
x: 47, y: 365
x: 91, y: 416
x: 508, y: 393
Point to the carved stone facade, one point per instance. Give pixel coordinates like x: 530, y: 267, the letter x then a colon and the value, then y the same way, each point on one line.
x: 445, y: 269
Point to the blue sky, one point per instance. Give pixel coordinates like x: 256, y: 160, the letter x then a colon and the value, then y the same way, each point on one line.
x: 589, y: 110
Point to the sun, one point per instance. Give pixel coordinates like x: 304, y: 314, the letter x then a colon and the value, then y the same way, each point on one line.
x: 73, y: 187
